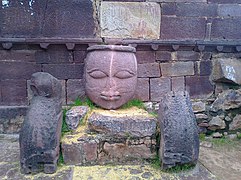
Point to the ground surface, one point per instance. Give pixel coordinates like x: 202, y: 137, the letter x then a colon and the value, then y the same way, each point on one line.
x: 223, y: 161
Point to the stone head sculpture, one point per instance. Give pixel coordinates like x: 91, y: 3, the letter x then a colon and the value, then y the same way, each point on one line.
x: 110, y: 75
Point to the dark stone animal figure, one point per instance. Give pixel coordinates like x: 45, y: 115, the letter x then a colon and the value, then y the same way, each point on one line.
x: 41, y: 130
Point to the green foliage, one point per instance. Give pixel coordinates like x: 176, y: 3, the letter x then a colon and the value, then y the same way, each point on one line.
x: 61, y: 158
x: 65, y: 128
x: 153, y: 114
x: 155, y: 163
x: 84, y: 102
x: 134, y: 102
x: 223, y: 141
x: 239, y: 136
x: 180, y: 168
x: 202, y: 137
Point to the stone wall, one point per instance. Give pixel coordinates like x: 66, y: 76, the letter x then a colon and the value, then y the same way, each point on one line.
x: 178, y: 45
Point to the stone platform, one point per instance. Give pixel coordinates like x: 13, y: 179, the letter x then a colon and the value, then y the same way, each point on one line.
x: 10, y: 168
x: 112, y: 137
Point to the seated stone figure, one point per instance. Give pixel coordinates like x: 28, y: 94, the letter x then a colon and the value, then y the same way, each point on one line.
x: 110, y: 75
x: 41, y: 130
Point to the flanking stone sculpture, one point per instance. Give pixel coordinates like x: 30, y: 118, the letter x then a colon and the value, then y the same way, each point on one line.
x: 41, y: 130
x: 179, y: 133
x: 110, y: 75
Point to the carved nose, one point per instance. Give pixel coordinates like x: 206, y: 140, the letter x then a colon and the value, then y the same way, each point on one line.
x: 110, y: 95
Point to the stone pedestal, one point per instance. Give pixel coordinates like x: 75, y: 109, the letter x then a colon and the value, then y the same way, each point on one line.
x: 112, y: 136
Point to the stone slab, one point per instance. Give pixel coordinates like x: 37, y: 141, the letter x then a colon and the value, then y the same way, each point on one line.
x: 130, y: 20
x: 131, y: 122
x: 227, y: 70
x: 179, y: 133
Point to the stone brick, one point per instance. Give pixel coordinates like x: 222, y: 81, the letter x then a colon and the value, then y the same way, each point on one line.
x: 79, y: 56
x: 177, y: 69
x: 17, y: 55
x: 163, y: 55
x: 206, y: 56
x: 69, y: 19
x: 169, y: 8
x: 178, y: 84
x: 14, y: 92
x: 65, y: 71
x: 130, y: 20
x: 158, y: 87
x: 54, y: 55
x: 132, y: 122
x: 22, y: 19
x: 145, y: 57
x: 186, y: 55
x: 205, y: 68
x: 81, y: 152
x: 177, y: 28
x: 142, y: 89
x: 17, y: 70
x: 228, y: 10
x: 12, y: 114
x: 227, y: 70
x: 198, y: 106
x: 149, y: 70
x: 75, y: 89
x: 196, y: 9
x: 199, y: 86
x: 226, y: 28
x: 224, y: 1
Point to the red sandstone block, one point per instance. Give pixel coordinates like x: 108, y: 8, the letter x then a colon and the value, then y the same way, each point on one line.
x: 196, y: 9
x: 55, y: 54
x: 178, y: 84
x: 145, y: 57
x: 186, y: 55
x: 65, y: 71
x: 183, y: 28
x: 199, y: 86
x: 226, y: 28
x: 205, y: 68
x: 163, y: 56
x: 75, y: 89
x: 228, y: 10
x: 21, y: 20
x: 79, y: 56
x: 142, y: 89
x: 14, y: 92
x: 69, y: 19
x: 177, y: 69
x: 149, y: 70
x: 169, y: 8
x: 224, y: 1
x: 17, y: 70
x: 158, y: 87
x: 17, y: 55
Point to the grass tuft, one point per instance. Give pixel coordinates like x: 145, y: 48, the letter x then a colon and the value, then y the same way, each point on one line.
x: 180, y: 168
x: 134, y: 102
x: 202, y: 137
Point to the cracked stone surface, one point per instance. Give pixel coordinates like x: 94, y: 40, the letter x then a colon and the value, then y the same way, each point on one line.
x: 10, y: 168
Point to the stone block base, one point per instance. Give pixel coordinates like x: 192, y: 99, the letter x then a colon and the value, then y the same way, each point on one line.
x: 87, y: 146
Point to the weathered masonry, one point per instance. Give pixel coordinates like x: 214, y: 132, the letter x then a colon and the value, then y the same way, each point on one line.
x: 194, y: 46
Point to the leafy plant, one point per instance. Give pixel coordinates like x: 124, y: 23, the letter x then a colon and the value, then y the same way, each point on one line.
x: 65, y: 128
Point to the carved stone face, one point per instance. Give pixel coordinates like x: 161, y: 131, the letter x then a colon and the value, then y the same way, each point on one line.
x: 111, y: 75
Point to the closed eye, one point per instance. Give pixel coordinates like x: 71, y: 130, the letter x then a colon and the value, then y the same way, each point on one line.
x: 124, y: 74
x: 97, y: 74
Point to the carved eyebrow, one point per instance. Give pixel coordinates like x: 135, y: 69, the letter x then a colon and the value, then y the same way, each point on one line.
x: 94, y: 69
x: 128, y: 70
